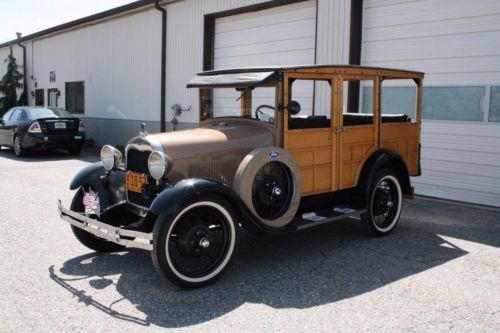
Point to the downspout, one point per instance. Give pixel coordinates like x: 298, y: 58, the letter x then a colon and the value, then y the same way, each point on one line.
x: 24, y: 95
x: 163, y: 62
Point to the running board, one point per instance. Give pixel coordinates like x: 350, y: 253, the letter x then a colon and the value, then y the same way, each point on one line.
x: 322, y: 216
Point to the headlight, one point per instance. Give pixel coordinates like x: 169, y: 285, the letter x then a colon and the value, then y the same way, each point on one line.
x: 110, y: 157
x: 158, y: 165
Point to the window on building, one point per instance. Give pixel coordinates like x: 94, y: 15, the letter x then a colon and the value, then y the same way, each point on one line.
x: 75, y: 96
x: 494, y: 115
x: 53, y: 97
x: 39, y: 97
x: 453, y: 103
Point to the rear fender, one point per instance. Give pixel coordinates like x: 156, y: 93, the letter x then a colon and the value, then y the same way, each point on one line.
x: 385, y: 159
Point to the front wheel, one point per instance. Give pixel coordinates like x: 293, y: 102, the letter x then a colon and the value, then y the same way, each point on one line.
x: 194, y: 248
x: 384, y: 203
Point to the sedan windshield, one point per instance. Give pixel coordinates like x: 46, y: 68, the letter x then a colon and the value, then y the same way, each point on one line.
x: 253, y: 103
x: 49, y: 113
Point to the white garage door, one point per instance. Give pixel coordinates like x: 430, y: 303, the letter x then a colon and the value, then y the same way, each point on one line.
x: 283, y: 35
x: 280, y: 36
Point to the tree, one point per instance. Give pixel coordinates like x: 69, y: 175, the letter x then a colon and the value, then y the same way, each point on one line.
x: 10, y: 82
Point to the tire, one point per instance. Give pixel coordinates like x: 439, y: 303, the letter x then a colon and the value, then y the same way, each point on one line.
x: 268, y: 182
x: 384, y: 203
x: 194, y: 248
x: 92, y: 242
x: 19, y: 150
x: 75, y: 151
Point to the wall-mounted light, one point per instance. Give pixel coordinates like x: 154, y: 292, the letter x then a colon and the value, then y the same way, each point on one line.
x: 32, y: 93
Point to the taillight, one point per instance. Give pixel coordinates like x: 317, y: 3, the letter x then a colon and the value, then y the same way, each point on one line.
x: 81, y: 127
x: 35, y: 128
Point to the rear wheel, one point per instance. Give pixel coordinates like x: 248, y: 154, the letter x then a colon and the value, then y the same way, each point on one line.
x: 384, y: 203
x: 92, y: 242
x: 19, y: 150
x: 194, y: 248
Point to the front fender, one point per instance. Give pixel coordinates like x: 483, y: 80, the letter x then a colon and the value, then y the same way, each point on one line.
x: 91, y: 175
x: 171, y: 199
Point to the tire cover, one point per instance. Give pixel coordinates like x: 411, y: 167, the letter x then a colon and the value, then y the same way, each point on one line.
x: 247, y: 171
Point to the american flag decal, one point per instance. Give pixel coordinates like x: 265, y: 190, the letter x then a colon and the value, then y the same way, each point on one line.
x: 91, y: 203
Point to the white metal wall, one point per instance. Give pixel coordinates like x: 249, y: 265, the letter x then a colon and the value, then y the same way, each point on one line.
x: 456, y: 43
x: 119, y: 61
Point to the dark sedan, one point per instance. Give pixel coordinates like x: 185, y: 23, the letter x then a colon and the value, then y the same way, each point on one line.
x: 24, y: 128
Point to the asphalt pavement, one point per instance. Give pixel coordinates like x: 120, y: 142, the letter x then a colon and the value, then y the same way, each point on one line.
x: 439, y: 271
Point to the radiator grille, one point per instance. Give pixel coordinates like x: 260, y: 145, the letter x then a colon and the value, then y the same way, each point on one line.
x: 137, y: 161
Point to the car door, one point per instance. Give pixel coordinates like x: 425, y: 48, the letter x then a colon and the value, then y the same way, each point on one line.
x: 4, y: 129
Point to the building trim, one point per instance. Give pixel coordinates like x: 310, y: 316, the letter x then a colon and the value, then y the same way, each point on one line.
x: 355, y: 43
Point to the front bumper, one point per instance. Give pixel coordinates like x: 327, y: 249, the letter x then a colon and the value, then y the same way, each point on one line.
x: 121, y: 236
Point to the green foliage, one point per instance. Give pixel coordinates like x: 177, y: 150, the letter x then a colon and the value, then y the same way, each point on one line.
x: 10, y: 82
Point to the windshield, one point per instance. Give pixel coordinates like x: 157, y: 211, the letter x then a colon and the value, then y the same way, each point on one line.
x: 49, y: 113
x: 252, y: 103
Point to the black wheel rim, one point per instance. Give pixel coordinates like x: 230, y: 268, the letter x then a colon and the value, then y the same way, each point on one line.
x: 199, y: 241
x: 385, y: 203
x: 272, y: 190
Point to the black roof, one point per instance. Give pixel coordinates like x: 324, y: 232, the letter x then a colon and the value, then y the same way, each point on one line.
x: 84, y: 20
x: 282, y: 68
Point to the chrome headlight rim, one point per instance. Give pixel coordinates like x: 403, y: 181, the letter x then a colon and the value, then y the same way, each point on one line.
x: 110, y: 157
x: 158, y: 165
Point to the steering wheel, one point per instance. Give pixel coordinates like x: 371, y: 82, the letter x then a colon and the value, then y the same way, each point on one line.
x: 263, y: 106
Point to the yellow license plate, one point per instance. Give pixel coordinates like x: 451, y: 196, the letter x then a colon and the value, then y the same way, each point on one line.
x: 134, y: 181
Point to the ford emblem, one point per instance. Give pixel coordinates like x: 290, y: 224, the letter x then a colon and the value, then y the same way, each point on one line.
x: 274, y: 154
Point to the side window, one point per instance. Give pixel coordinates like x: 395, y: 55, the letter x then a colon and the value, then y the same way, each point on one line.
x: 314, y: 98
x: 398, y: 101
x: 23, y: 116
x: 358, y: 111
x: 15, y: 115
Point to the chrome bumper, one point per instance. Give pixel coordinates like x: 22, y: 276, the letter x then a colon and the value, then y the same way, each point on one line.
x: 129, y: 238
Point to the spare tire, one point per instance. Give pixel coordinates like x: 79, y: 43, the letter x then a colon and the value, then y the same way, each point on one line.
x: 268, y: 182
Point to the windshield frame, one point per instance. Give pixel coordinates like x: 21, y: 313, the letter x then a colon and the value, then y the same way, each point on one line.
x: 206, y: 102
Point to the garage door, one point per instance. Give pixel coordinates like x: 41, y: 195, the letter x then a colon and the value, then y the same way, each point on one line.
x: 283, y: 35
x: 279, y: 36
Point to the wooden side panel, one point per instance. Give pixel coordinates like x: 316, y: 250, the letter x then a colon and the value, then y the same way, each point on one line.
x: 313, y: 153
x: 403, y: 138
x: 358, y: 142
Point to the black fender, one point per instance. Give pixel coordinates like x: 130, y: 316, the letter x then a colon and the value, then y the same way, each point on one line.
x: 91, y: 175
x: 385, y: 159
x: 173, y: 198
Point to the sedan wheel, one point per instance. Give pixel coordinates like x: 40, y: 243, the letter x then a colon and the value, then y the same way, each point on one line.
x: 18, y: 147
x: 194, y: 248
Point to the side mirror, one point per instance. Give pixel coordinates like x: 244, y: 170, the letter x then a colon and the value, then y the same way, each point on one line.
x: 294, y: 107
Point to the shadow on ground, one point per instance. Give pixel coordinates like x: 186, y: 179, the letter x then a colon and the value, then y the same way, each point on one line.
x: 299, y: 270
x: 87, y: 155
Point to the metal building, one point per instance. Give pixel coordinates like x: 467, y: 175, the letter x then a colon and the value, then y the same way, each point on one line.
x: 108, y: 67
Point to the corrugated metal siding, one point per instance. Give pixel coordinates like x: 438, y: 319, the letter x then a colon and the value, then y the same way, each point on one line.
x: 460, y: 161
x: 456, y: 43
x: 119, y: 61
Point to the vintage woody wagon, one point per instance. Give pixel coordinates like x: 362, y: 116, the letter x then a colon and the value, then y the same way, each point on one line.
x: 278, y: 150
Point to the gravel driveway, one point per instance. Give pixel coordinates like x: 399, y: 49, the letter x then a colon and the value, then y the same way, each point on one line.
x: 439, y: 271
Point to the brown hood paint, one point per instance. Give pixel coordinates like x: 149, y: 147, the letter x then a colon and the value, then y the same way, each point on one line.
x: 215, y: 150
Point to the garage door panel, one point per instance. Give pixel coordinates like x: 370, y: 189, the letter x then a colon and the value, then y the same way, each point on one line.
x: 283, y: 35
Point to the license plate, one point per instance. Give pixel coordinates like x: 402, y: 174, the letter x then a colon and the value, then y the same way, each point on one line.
x: 60, y: 125
x: 134, y: 181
